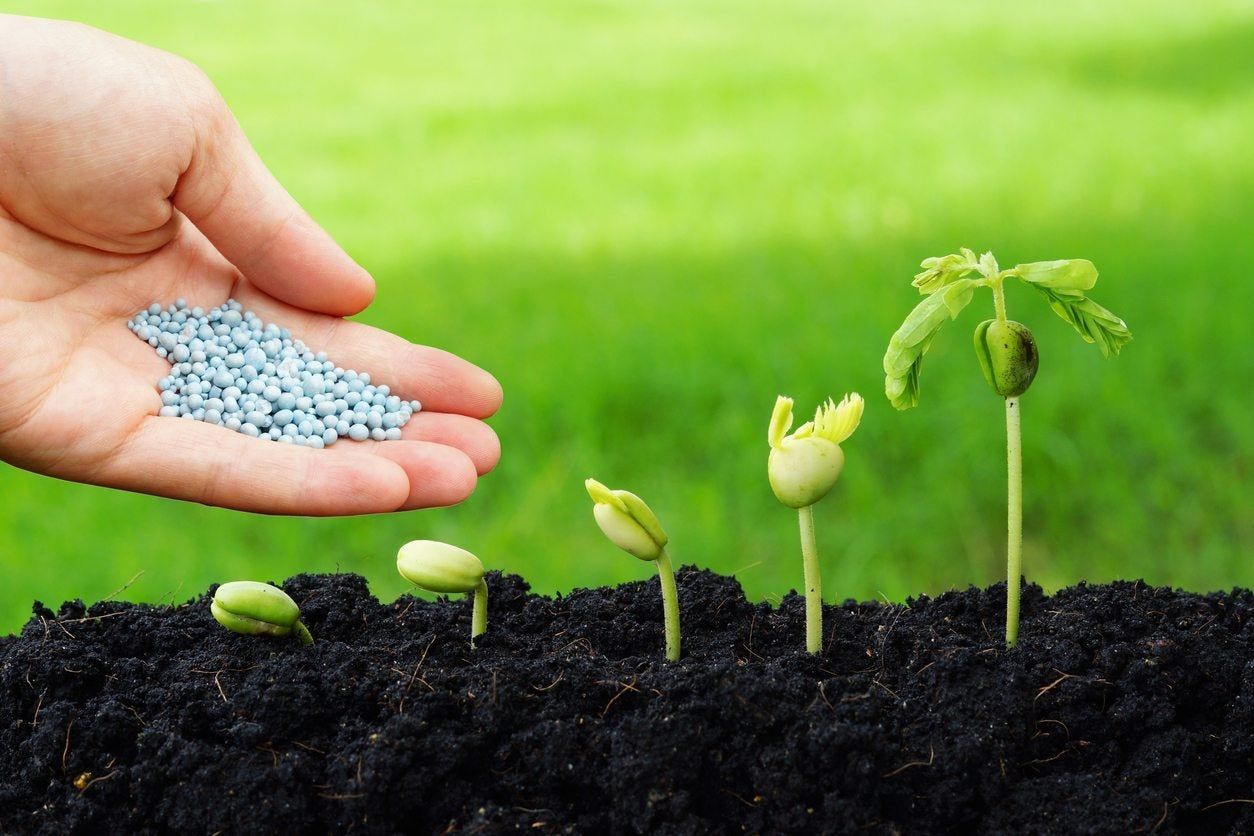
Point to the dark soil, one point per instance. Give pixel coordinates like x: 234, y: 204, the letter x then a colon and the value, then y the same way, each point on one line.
x: 1124, y: 709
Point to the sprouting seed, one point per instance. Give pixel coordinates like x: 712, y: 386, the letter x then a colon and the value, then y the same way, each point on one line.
x: 1006, y: 351
x: 258, y: 609
x: 443, y: 568
x: 803, y: 468
x: 630, y: 524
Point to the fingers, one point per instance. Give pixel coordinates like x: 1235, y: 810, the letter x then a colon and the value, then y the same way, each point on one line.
x: 237, y: 203
x: 438, y: 475
x: 441, y: 381
x: 474, y: 438
x: 198, y: 462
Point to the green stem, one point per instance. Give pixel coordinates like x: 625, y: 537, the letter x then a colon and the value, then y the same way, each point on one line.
x: 670, y: 604
x: 814, y: 583
x: 302, y: 632
x: 999, y: 299
x: 479, y: 617
x: 1014, y: 519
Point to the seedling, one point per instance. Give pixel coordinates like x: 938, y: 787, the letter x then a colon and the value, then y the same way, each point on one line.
x: 803, y: 468
x: 258, y: 609
x: 1006, y: 351
x: 633, y: 527
x: 439, y: 567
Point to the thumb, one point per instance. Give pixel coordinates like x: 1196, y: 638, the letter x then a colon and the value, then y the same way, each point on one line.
x: 231, y: 197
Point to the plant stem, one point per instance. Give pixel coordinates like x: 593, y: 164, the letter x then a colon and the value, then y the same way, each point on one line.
x: 670, y: 604
x: 999, y: 299
x: 814, y: 583
x: 479, y: 616
x: 302, y: 632
x: 1014, y: 519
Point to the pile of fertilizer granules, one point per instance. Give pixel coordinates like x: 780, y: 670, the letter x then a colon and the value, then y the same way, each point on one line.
x: 229, y: 368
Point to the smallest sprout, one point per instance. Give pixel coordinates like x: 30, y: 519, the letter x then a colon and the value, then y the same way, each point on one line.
x: 258, y: 609
x: 440, y: 567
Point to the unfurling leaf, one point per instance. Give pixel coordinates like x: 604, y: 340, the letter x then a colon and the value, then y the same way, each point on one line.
x: 1065, y: 274
x: 939, y: 271
x: 781, y: 421
x: 906, y: 348
x: 988, y: 265
x: 1094, y: 323
x: 836, y: 422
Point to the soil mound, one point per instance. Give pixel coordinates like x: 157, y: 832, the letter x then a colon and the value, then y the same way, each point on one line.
x: 1124, y: 708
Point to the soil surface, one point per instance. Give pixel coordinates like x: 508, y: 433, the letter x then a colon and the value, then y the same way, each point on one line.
x: 1125, y: 708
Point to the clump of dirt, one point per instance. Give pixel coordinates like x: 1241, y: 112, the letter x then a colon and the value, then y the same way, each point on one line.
x: 1124, y: 708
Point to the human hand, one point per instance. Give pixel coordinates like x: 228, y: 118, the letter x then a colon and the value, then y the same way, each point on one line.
x: 124, y: 180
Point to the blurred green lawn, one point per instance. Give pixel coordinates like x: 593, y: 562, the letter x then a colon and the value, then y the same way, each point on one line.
x: 649, y: 218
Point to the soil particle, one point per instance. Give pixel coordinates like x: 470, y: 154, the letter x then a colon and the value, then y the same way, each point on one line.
x: 1125, y: 708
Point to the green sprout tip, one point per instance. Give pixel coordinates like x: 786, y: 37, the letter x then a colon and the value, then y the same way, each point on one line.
x: 630, y: 524
x: 258, y: 609
x: 443, y: 568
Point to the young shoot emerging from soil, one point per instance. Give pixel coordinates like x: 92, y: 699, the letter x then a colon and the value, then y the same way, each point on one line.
x: 1006, y: 351
x: 633, y: 527
x: 803, y: 467
x: 439, y: 567
x: 258, y: 609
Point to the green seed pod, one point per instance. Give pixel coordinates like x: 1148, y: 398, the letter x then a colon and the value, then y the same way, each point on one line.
x: 257, y: 609
x: 439, y: 567
x: 627, y: 521
x: 804, y: 466
x: 1007, y: 354
x: 804, y: 470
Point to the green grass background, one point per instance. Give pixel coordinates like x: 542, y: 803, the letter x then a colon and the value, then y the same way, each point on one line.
x: 648, y: 218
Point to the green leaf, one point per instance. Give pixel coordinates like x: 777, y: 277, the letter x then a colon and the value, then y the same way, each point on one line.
x: 1065, y: 274
x: 1094, y: 323
x: 940, y: 271
x: 988, y: 265
x: 904, y: 357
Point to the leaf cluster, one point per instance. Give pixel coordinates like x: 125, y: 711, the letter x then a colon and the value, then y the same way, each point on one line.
x: 903, y: 362
x: 1063, y: 284
x: 948, y: 284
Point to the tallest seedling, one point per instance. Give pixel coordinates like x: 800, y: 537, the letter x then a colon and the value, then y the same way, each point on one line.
x: 1006, y: 351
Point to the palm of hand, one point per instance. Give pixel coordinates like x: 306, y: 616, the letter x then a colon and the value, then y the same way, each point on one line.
x: 77, y: 390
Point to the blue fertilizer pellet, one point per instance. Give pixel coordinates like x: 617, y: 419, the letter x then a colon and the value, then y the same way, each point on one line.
x: 229, y: 368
